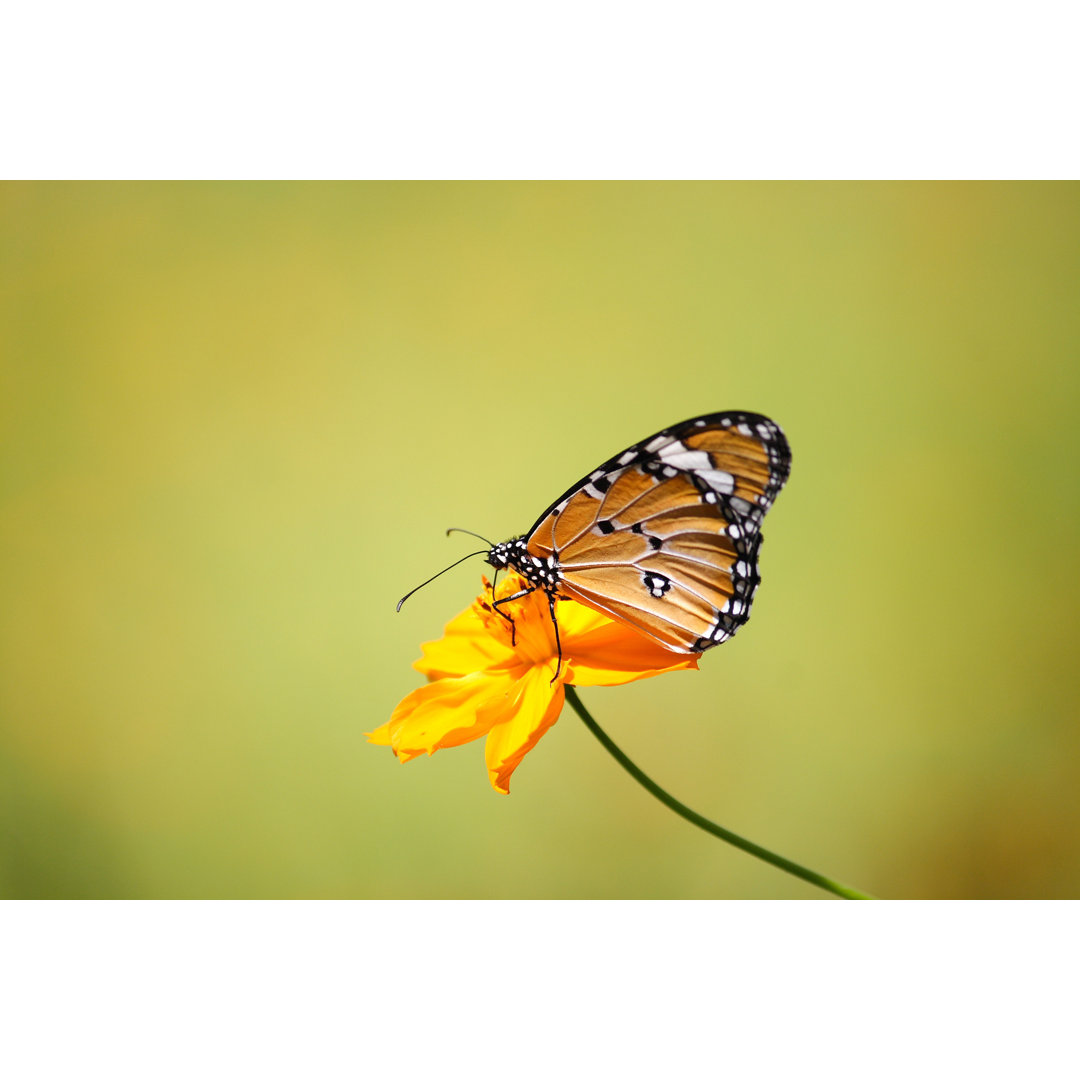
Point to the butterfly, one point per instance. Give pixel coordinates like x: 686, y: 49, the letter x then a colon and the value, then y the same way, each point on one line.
x: 663, y: 536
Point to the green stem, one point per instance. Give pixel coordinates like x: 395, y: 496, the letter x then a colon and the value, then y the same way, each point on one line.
x: 704, y: 823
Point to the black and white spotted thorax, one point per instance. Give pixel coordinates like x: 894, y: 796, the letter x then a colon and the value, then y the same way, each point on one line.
x: 539, y: 573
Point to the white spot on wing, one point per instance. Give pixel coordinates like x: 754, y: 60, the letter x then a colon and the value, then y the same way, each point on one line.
x: 654, y: 444
x: 688, y: 460
x: 724, y: 482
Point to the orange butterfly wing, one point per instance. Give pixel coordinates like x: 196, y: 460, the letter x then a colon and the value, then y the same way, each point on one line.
x: 665, y: 536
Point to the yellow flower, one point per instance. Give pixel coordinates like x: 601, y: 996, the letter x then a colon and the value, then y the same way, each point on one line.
x: 479, y: 684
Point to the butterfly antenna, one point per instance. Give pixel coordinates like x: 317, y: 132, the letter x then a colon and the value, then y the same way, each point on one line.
x: 439, y: 574
x: 469, y: 532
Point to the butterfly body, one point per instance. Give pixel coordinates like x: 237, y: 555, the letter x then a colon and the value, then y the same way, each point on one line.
x: 665, y: 535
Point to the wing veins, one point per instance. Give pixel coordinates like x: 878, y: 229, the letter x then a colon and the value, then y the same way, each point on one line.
x: 615, y: 473
x: 681, y: 535
x: 682, y: 584
x: 637, y: 498
x: 577, y: 567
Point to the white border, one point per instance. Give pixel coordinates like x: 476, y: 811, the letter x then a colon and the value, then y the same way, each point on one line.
x: 539, y: 989
x: 579, y: 90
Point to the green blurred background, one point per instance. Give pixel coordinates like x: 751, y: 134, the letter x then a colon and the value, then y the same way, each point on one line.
x: 236, y: 419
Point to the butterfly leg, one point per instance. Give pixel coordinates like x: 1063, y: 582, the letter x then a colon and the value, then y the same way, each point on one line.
x: 558, y: 643
x: 494, y: 605
x: 506, y: 600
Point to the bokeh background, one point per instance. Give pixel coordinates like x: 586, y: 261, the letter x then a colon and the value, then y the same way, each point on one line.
x: 236, y: 419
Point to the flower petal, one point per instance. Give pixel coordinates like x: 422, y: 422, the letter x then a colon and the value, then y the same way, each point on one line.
x: 466, y: 646
x: 576, y: 620
x: 444, y: 713
x: 613, y: 653
x: 535, y: 708
x: 480, y: 684
x: 380, y: 736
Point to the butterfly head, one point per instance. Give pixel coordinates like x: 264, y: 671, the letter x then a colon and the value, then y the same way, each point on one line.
x: 513, y: 555
x: 508, y: 554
